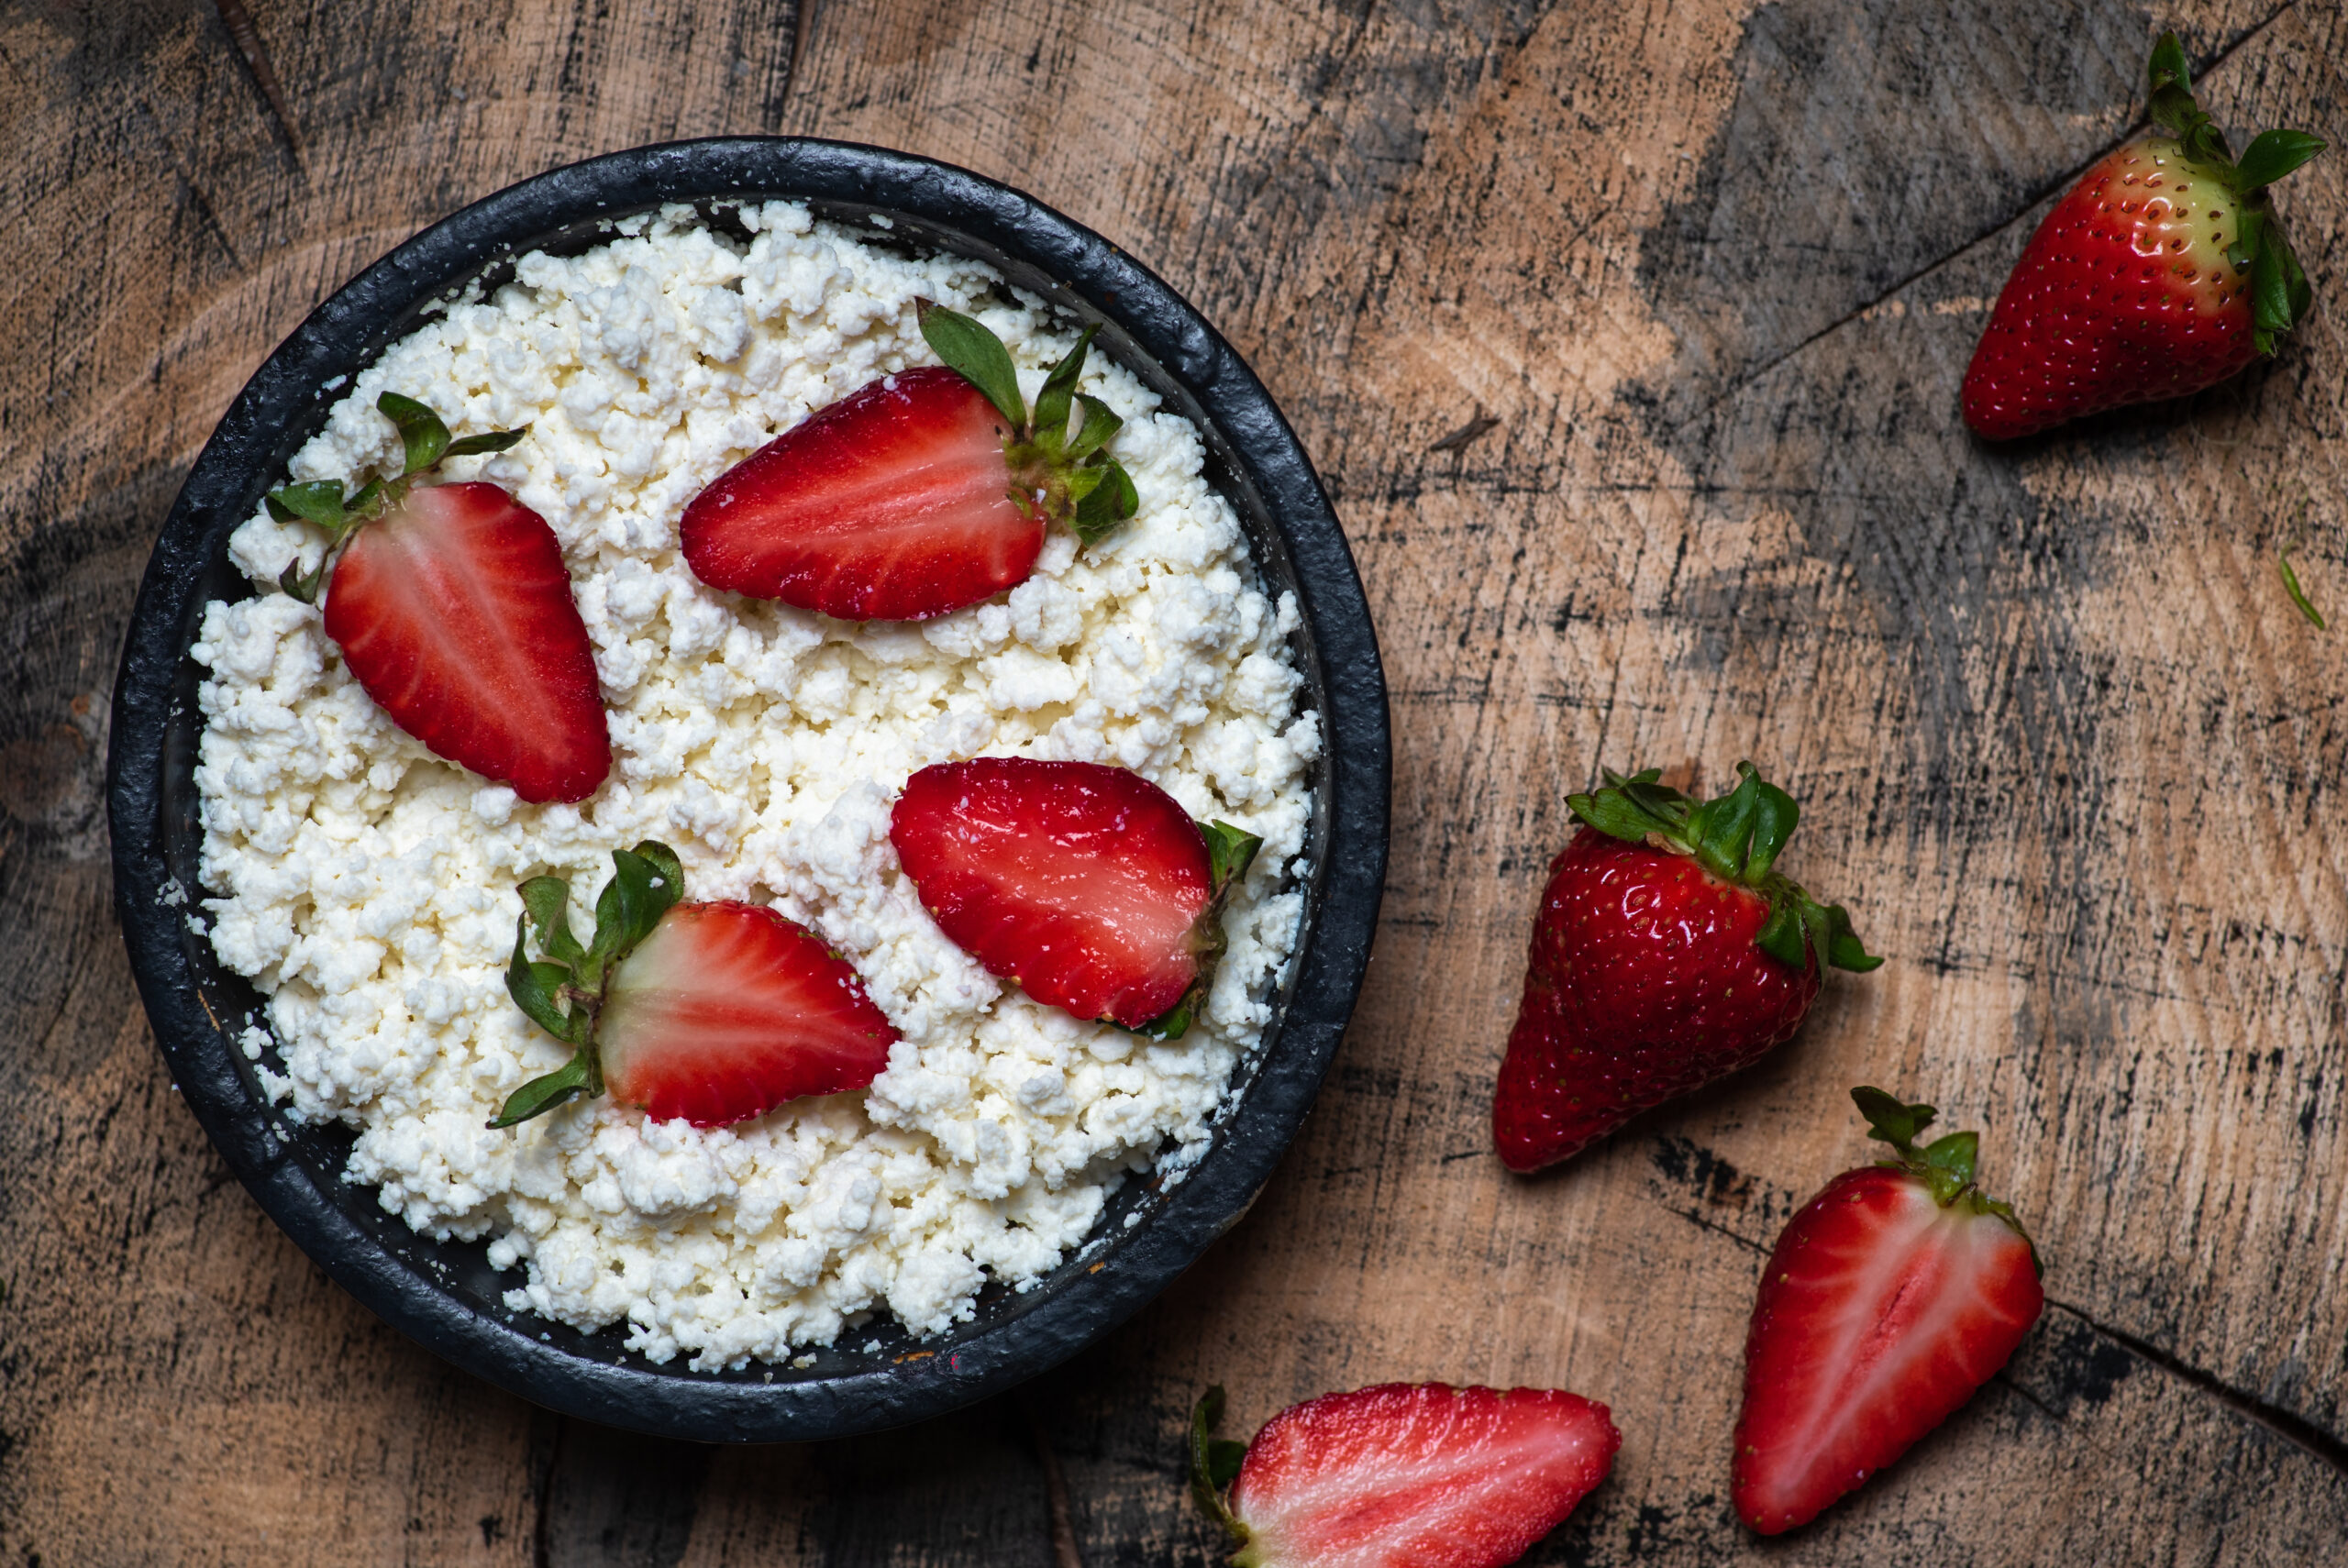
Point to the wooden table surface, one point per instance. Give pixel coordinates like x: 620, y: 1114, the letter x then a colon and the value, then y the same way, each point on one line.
x: 1715, y: 269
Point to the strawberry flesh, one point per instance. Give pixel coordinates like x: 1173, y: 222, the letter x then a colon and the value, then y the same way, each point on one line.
x: 453, y: 610
x: 1643, y: 983
x: 1880, y: 1313
x: 1081, y: 882
x: 891, y: 504
x: 727, y: 1009
x: 1418, y: 1476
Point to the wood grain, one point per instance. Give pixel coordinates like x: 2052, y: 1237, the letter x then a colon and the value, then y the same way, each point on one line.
x: 1715, y: 269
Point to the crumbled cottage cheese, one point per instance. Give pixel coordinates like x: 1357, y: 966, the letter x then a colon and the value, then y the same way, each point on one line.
x: 367, y: 886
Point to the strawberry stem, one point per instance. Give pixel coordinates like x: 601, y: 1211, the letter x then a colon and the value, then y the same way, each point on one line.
x: 1737, y: 838
x: 1214, y: 1464
x: 1945, y: 1165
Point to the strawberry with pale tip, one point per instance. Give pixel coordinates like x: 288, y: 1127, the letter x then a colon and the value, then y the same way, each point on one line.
x: 2162, y: 272
x: 713, y: 1012
x: 1400, y: 1476
x: 452, y: 607
x: 1669, y: 952
x: 920, y: 494
x: 1890, y: 1296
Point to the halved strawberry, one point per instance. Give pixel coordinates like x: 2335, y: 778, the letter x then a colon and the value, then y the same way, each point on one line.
x: 714, y: 1012
x: 1402, y: 1475
x: 917, y: 494
x: 453, y: 609
x: 1086, y: 884
x: 1891, y: 1297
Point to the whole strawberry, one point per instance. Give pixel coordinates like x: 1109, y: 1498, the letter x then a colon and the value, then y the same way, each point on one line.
x: 452, y: 607
x: 1402, y: 1476
x: 1891, y: 1297
x: 2162, y: 272
x: 1666, y: 953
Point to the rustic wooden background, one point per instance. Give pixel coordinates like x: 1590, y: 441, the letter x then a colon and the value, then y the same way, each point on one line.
x: 1715, y: 269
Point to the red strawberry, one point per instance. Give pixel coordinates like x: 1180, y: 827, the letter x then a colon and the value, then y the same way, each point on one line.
x: 1086, y: 884
x: 715, y: 1012
x: 1402, y: 1475
x: 453, y: 609
x: 917, y: 494
x: 1666, y: 955
x: 728, y: 1010
x: 1891, y: 1297
x: 2162, y: 272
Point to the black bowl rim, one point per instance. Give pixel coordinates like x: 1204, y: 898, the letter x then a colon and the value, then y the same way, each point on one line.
x: 1142, y: 314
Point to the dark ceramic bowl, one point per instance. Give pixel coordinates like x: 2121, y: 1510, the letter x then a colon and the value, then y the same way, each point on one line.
x: 447, y: 1295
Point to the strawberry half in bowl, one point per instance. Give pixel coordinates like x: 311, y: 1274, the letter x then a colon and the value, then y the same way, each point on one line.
x: 430, y: 574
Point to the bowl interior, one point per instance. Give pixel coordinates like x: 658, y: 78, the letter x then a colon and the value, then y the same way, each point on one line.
x: 447, y: 1293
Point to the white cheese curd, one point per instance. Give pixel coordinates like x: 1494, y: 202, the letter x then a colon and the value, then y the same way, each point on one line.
x: 366, y: 887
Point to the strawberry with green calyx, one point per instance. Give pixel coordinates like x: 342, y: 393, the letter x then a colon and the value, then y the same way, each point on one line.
x: 2162, y: 271
x: 452, y: 607
x: 425, y: 443
x: 1888, y: 1299
x: 1737, y: 838
x: 1085, y: 884
x: 1668, y: 952
x: 713, y: 1012
x: 918, y: 494
x: 1400, y: 1476
x: 1063, y: 476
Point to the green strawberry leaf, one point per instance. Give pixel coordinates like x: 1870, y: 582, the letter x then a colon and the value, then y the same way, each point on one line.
x: 1101, y: 422
x: 2271, y: 155
x: 547, y: 899
x: 1213, y: 1465
x: 421, y: 431
x: 2290, y: 586
x: 1109, y: 503
x: 1892, y: 1120
x: 1843, y: 948
x: 1059, y: 388
x: 536, y: 987
x: 299, y: 584
x: 574, y: 1078
x: 1230, y: 850
x: 2270, y: 299
x: 965, y: 346
x: 1948, y: 1163
x: 317, y: 501
x: 488, y: 441
x: 1176, y: 1020
x: 1783, y: 937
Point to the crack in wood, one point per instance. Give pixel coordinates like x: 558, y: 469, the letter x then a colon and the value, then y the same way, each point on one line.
x: 246, y: 38
x: 2295, y: 1429
x: 2061, y: 182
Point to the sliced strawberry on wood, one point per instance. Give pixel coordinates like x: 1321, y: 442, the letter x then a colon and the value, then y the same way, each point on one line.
x: 1086, y: 884
x: 453, y: 610
x: 918, y: 494
x: 1893, y: 1294
x: 1402, y: 1476
x: 714, y: 1012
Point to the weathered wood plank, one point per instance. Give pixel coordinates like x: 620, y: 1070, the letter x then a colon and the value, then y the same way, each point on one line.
x: 1716, y: 267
